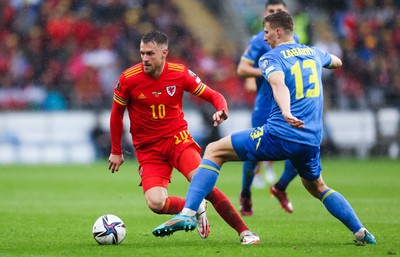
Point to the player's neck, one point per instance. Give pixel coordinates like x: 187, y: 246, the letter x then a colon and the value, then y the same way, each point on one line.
x: 286, y: 40
x: 157, y: 73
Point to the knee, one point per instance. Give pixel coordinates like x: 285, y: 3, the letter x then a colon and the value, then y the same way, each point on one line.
x: 213, y: 153
x: 314, y: 193
x: 316, y: 188
x: 317, y: 192
x: 155, y: 204
x: 210, y: 148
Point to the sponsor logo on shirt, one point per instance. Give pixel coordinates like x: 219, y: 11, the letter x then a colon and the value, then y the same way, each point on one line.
x: 141, y: 96
x: 157, y: 94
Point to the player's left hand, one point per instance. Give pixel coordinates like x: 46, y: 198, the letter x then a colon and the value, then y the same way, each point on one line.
x: 219, y: 117
x: 115, y: 161
x: 293, y: 121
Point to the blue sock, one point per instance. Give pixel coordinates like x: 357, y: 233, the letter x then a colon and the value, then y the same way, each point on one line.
x: 288, y: 174
x: 338, y: 206
x: 202, y: 183
x: 249, y: 169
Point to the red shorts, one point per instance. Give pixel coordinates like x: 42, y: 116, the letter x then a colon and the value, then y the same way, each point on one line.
x: 157, y: 161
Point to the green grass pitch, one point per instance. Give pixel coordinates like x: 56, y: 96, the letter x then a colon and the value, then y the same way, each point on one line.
x: 49, y: 210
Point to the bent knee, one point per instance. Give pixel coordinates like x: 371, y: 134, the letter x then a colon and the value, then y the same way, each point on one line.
x: 210, y: 148
x: 218, y: 149
x: 156, y: 205
x: 315, y: 188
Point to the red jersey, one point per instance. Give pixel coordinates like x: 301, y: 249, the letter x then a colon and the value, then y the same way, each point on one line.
x: 155, y: 104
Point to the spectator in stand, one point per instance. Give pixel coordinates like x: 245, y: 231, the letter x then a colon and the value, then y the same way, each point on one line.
x: 367, y: 30
x: 61, y: 32
x: 326, y: 41
x: 54, y: 31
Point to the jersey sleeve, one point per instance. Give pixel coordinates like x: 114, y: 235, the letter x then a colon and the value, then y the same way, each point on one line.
x: 269, y: 65
x: 199, y: 89
x: 121, y: 91
x: 325, y: 58
x: 117, y: 116
x: 254, y: 50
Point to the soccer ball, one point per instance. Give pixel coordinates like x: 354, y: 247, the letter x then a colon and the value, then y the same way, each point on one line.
x: 109, y: 230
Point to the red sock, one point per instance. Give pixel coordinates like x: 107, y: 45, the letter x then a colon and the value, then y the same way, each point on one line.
x: 173, y: 205
x: 226, y: 210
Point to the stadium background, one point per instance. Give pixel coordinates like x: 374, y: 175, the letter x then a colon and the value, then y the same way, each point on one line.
x: 59, y: 62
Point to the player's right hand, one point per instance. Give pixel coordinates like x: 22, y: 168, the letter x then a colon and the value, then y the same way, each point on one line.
x: 115, y: 161
x: 293, y: 121
x: 219, y: 117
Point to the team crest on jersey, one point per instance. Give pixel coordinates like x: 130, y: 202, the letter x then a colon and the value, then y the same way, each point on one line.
x: 117, y: 86
x: 171, y: 90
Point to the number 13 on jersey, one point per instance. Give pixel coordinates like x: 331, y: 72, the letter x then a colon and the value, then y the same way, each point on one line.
x: 297, y: 70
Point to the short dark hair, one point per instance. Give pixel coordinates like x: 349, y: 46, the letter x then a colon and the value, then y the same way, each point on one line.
x: 155, y: 36
x: 274, y: 2
x: 280, y: 19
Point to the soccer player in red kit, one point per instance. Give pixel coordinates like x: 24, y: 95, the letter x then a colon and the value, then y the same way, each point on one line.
x: 152, y: 91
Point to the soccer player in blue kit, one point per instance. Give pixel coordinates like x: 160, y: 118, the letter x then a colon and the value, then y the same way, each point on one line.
x: 248, y: 67
x: 293, y: 130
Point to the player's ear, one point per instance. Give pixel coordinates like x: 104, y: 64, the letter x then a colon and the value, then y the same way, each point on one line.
x: 165, y: 52
x: 279, y: 32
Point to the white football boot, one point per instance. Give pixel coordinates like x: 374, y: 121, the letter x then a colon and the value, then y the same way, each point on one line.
x: 203, y: 227
x: 249, y: 238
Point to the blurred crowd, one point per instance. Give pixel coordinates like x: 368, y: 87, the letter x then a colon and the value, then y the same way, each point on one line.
x: 68, y: 54
x: 366, y: 35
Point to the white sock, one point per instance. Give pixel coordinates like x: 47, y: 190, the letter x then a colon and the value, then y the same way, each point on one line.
x: 360, y: 233
x: 188, y: 212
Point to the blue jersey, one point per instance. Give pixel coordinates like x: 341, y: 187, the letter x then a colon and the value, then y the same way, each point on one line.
x: 262, y: 105
x: 302, y: 67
